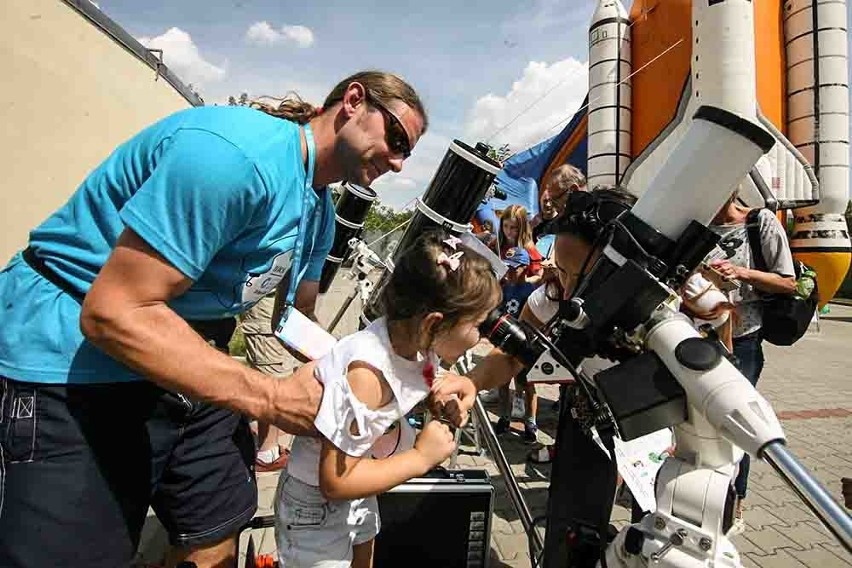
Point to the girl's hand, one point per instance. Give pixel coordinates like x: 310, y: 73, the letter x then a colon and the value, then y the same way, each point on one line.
x: 434, y: 444
x: 452, y: 397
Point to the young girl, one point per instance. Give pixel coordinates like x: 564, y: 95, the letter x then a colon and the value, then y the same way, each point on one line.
x: 515, y: 232
x: 325, y: 508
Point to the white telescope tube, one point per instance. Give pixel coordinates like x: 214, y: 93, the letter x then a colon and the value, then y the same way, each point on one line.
x: 715, y: 154
x: 721, y: 394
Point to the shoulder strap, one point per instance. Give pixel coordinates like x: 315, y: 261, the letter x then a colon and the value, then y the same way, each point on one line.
x: 753, y: 230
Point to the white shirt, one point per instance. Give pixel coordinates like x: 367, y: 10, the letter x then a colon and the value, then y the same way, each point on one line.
x: 344, y: 420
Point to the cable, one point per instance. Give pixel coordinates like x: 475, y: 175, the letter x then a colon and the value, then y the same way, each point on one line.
x: 532, y: 104
x: 560, y: 83
x: 675, y: 44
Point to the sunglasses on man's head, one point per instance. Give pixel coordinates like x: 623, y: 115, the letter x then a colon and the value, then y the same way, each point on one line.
x: 395, y: 134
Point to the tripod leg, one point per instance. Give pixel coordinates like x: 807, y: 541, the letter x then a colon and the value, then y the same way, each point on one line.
x: 342, y: 310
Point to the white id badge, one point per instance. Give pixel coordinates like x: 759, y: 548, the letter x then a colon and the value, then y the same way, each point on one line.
x: 303, y: 334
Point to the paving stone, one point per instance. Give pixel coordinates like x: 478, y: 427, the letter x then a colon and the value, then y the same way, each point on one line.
x: 792, y: 513
x: 768, y: 539
x: 500, y: 525
x: 514, y: 546
x: 779, y: 496
x: 744, y: 545
x: 759, y: 517
x: 824, y: 537
x: 805, y: 535
x: 780, y: 559
x: 838, y: 551
x: 821, y: 557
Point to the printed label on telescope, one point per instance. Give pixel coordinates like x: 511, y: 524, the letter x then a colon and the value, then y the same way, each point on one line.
x: 259, y: 285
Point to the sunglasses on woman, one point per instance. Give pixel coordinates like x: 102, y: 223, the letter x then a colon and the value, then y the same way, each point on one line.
x: 395, y: 134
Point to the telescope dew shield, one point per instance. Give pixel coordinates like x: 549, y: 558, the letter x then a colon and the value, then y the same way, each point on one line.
x: 349, y: 216
x: 456, y: 190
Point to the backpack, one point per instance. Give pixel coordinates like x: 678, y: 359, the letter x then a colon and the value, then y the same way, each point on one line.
x: 786, y: 317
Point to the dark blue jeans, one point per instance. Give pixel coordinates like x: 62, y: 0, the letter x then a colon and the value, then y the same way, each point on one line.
x: 748, y: 350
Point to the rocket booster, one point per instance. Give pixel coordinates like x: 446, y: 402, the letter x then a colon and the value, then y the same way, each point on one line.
x: 609, y: 94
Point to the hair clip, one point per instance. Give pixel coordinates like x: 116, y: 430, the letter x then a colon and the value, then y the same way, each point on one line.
x: 452, y: 261
x: 453, y: 242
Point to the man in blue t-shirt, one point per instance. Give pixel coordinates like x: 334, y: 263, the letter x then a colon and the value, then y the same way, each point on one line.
x: 109, y: 400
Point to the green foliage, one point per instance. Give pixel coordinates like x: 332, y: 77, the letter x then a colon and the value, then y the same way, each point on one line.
x: 382, y: 218
x: 500, y: 154
x: 242, y: 100
x: 237, y: 345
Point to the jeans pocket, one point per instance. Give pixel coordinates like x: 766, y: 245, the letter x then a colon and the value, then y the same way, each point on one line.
x: 301, y: 506
x: 18, y: 423
x: 298, y: 517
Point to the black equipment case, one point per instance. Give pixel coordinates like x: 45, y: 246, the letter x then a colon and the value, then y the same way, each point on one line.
x: 441, y: 519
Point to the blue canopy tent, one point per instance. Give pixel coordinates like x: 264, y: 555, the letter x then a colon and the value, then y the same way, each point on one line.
x: 522, y: 173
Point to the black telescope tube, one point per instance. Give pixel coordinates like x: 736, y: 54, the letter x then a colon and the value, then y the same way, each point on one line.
x: 349, y: 216
x: 455, y: 192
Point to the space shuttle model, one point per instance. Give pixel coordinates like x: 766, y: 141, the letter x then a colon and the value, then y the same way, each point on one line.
x: 782, y: 64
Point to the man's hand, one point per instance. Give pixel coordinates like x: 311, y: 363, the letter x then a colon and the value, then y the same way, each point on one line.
x: 729, y: 271
x: 452, y: 397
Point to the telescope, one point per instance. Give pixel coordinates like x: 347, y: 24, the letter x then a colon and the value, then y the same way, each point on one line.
x: 460, y: 183
x: 351, y: 211
x: 626, y: 309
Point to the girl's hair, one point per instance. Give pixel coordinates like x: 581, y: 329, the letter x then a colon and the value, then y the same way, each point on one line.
x: 379, y: 85
x: 518, y: 213
x: 420, y: 284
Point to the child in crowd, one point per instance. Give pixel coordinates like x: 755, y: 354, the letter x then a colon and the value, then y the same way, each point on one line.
x: 514, y: 232
x: 325, y: 508
x: 516, y: 290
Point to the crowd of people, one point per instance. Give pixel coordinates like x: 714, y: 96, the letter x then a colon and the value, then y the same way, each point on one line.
x: 115, y: 392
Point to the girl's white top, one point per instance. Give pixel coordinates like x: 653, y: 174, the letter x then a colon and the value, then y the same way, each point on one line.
x: 343, y: 419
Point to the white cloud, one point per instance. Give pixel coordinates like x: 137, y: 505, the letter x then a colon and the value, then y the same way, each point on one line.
x: 262, y: 33
x: 536, y: 107
x: 182, y: 56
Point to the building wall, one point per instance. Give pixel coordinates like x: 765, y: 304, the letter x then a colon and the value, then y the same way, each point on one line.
x: 71, y: 92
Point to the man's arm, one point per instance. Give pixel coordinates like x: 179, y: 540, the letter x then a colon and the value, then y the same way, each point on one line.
x: 126, y: 315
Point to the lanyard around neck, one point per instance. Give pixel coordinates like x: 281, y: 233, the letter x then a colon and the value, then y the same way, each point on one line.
x: 296, y: 269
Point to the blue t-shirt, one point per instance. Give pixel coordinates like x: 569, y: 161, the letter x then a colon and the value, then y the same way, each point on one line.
x: 217, y: 191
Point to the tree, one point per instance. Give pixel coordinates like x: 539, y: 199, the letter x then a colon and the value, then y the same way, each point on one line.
x: 243, y: 100
x: 500, y: 154
x: 382, y: 218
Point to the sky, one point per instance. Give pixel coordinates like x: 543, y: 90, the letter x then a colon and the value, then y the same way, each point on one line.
x: 503, y: 72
